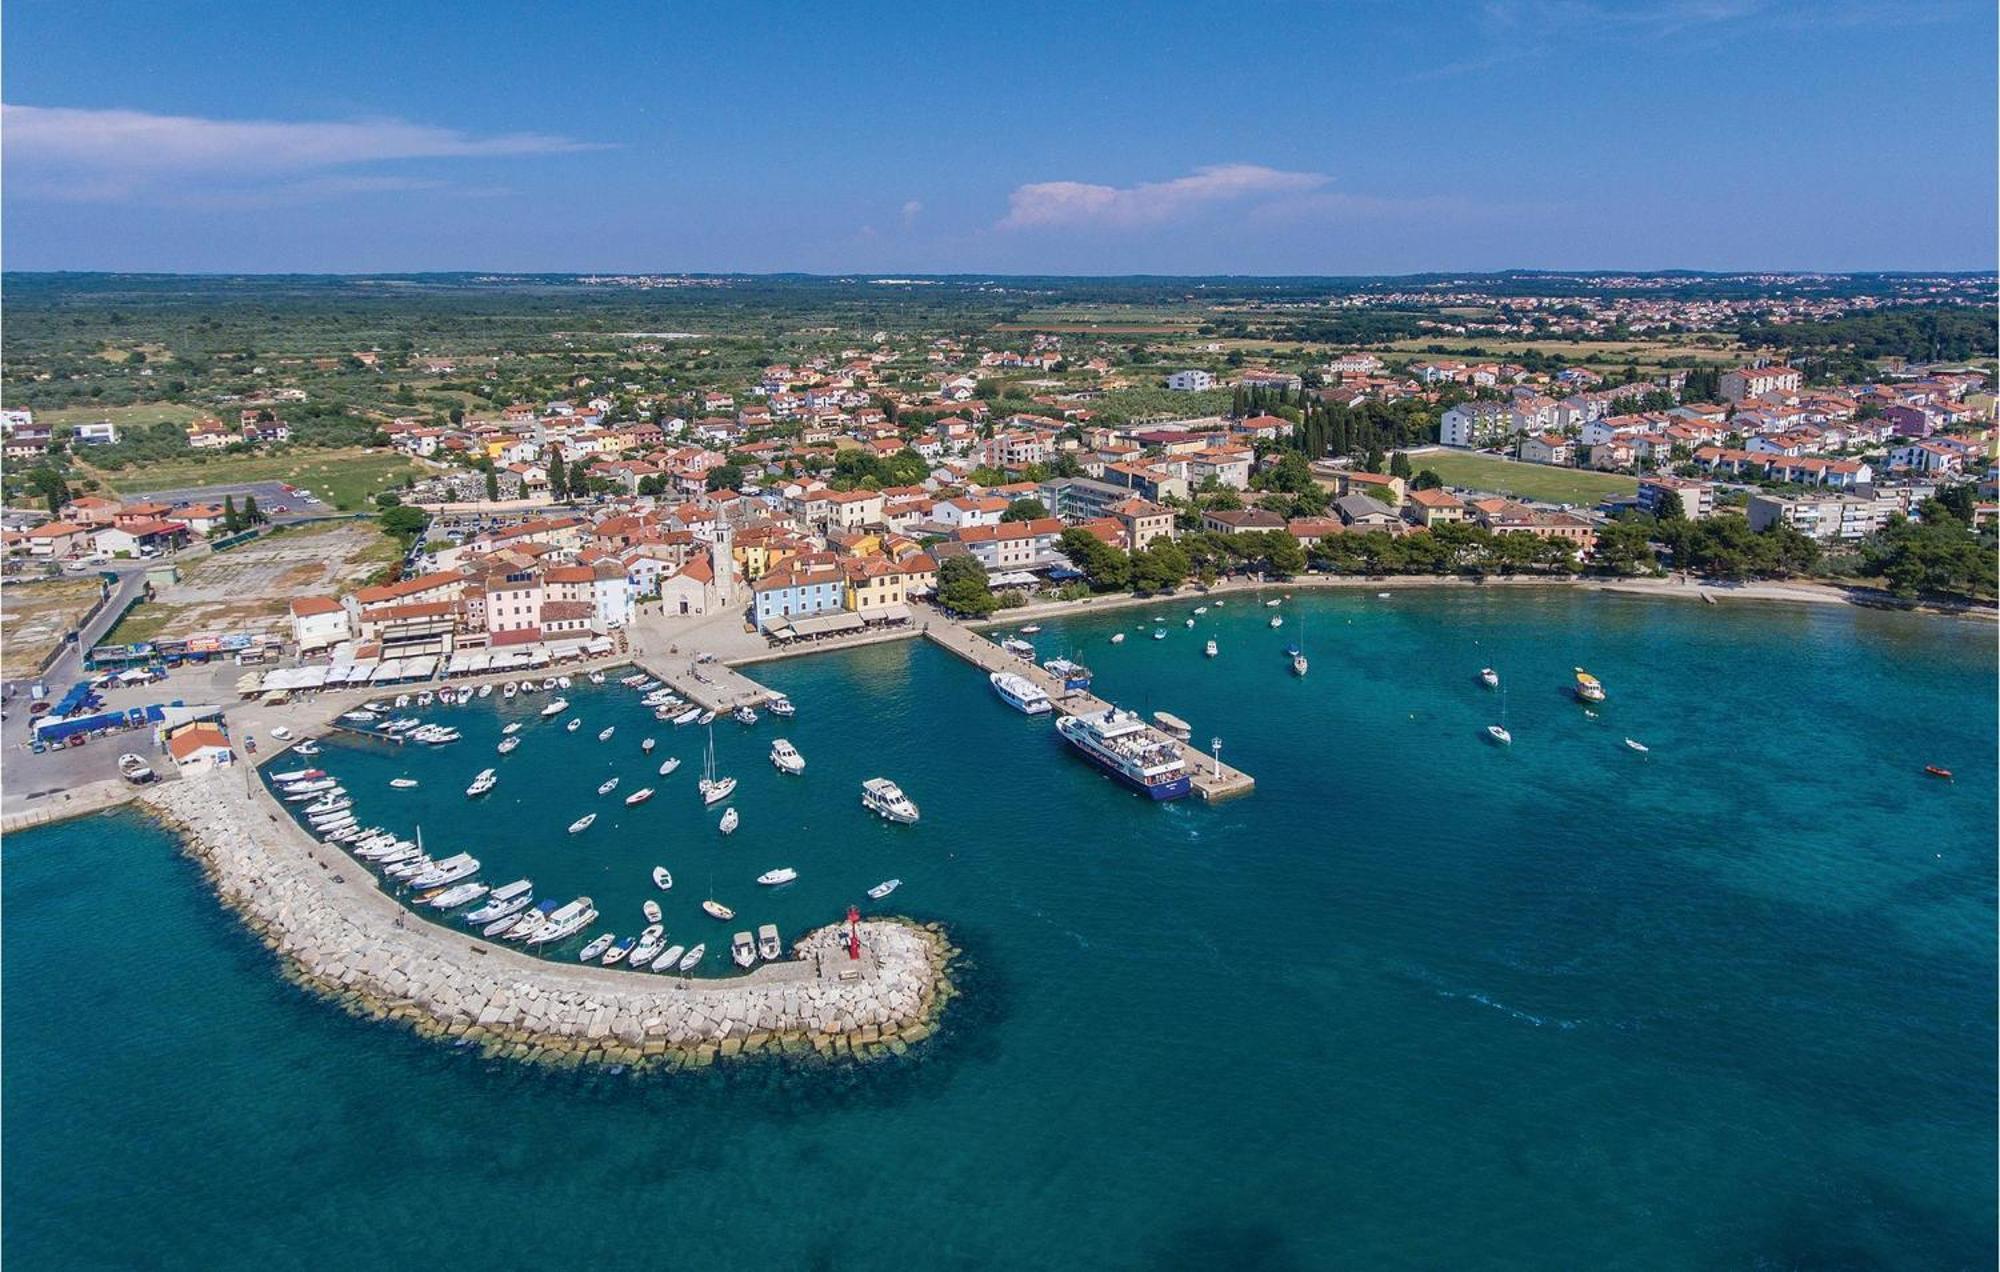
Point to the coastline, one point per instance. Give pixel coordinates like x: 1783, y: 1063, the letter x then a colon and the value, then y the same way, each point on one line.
x: 337, y: 934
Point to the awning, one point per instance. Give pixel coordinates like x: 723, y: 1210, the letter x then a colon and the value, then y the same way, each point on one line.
x: 827, y: 624
x: 601, y: 645
x: 888, y: 614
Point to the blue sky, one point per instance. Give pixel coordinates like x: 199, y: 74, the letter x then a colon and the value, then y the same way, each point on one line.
x: 1374, y: 136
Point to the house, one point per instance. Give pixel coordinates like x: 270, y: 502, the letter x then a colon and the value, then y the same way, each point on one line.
x: 57, y: 539
x: 1310, y: 530
x: 1429, y: 508
x: 788, y: 594
x: 142, y: 538
x: 200, y: 747
x: 319, y: 622
x: 1143, y: 522
x: 1241, y: 521
x: 689, y: 590
x: 1359, y: 512
x: 95, y: 433
x: 1227, y: 466
x: 1826, y: 517
x: 853, y: 509
x: 1545, y: 448
x: 1385, y: 488
x: 207, y: 433
x: 1013, y: 545
x: 1926, y: 457
x: 1190, y: 381
x: 1757, y: 381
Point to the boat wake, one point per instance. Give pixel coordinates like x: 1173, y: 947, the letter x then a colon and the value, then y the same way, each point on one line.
x: 1540, y: 1022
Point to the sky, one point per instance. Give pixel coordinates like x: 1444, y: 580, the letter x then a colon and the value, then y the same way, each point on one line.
x: 1338, y: 137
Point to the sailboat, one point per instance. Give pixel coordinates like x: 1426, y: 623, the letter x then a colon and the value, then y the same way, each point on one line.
x: 713, y: 789
x: 1299, y: 650
x: 1498, y: 732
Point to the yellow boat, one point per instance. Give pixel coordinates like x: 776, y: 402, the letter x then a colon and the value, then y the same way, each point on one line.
x: 1588, y: 688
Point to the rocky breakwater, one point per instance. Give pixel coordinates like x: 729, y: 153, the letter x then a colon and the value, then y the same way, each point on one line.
x: 339, y: 934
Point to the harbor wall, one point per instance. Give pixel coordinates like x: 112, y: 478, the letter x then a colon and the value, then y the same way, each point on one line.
x: 337, y: 933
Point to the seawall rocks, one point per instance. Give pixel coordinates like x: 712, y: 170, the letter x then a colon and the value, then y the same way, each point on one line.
x: 337, y: 933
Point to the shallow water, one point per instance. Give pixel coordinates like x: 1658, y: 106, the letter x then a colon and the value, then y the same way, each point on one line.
x: 1418, y: 1001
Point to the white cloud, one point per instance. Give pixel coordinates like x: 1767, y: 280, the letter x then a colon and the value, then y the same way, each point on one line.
x: 1077, y: 203
x: 99, y: 154
x: 911, y: 211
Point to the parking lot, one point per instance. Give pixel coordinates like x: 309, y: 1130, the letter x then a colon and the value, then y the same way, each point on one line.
x: 273, y: 500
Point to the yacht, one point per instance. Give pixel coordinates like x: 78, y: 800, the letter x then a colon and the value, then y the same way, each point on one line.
x: 1499, y: 734
x: 639, y: 796
x: 605, y: 734
x: 596, y: 677
x: 607, y: 786
x: 729, y: 821
x: 772, y: 878
x: 884, y: 888
x: 508, y: 745
x: 669, y: 764
x: 786, y: 758
x: 717, y: 910
x: 1019, y: 692
x: 1131, y: 751
x: 692, y: 959
x: 1075, y: 676
x: 508, y: 898
x: 743, y: 950
x: 782, y: 708
x: 1273, y: 604
x: 1588, y: 687
x: 566, y: 922
x: 555, y: 708
x: 595, y: 948
x: 769, y: 947
x: 452, y: 898
x: 744, y: 715
x: 450, y: 870
x: 663, y: 878
x: 582, y: 823
x: 619, y: 949
x: 885, y: 799
x: 307, y: 747
x: 481, y: 784
x: 1489, y: 677
x: 650, y: 943
x: 1210, y: 649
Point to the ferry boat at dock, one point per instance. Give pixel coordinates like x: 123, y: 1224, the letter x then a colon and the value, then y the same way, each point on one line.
x: 1075, y: 676
x: 1018, y: 647
x: 1019, y: 692
x: 1130, y: 750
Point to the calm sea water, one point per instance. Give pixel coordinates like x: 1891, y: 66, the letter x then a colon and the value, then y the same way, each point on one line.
x: 1417, y: 1002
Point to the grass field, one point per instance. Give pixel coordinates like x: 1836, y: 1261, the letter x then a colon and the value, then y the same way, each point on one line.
x: 346, y: 478
x: 1522, y: 481
x: 1648, y: 354
x: 124, y: 416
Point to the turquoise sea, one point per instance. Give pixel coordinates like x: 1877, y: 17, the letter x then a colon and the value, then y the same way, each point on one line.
x: 1417, y: 1002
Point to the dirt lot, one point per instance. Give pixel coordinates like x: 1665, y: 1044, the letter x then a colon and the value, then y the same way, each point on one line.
x: 34, y: 618
x: 248, y: 589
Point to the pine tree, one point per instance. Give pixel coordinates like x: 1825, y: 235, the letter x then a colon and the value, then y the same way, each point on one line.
x: 230, y: 525
x: 492, y: 485
x: 251, y: 516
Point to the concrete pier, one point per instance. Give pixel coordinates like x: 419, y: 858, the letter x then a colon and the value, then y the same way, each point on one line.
x: 1212, y: 781
x: 712, y: 686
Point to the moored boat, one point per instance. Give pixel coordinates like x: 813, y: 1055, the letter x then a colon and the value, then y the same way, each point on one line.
x: 452, y: 898
x: 639, y: 796
x: 403, y: 783
x: 886, y: 800
x: 743, y: 950
x: 1020, y: 693
x: 605, y: 734
x: 565, y: 922
x: 1634, y: 745
x: 730, y: 820
x: 619, y: 949
x: 1172, y: 725
x: 507, y: 899
x: 692, y: 959
x: 1489, y: 677
x: 596, y: 947
x: 1499, y: 734
x: 1132, y: 752
x: 884, y: 888
x: 782, y: 707
x: 607, y: 786
x: 1074, y: 675
x: 716, y: 910
x: 744, y: 715
x: 650, y: 943
x: 769, y: 946
x: 651, y: 909
x: 786, y: 758
x: 773, y: 878
x: 663, y: 878
x: 450, y: 870
x: 1588, y: 687
x: 1210, y: 648
x: 669, y: 959
x: 582, y: 823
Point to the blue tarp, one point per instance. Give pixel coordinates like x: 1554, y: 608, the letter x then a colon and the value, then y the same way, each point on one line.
x: 50, y: 730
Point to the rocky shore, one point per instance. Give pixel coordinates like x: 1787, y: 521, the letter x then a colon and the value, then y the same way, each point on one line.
x: 338, y: 934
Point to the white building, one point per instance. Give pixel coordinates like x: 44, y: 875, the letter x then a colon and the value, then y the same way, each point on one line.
x: 1190, y: 381
x: 319, y: 622
x: 1472, y: 424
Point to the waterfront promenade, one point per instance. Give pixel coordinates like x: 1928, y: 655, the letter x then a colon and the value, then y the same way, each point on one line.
x: 1212, y: 779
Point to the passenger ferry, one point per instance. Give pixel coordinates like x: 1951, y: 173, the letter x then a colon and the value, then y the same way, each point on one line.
x: 1020, y: 693
x: 1125, y: 746
x: 1075, y: 676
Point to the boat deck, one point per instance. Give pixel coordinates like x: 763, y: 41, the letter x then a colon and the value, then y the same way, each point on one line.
x: 1212, y: 781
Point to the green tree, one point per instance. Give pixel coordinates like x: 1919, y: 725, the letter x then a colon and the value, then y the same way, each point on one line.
x: 1625, y: 547
x: 492, y: 485
x: 1427, y: 480
x: 1284, y: 553
x: 1399, y: 466
x: 1161, y: 566
x: 725, y: 476
x: 1670, y: 508
x: 1107, y: 569
x: 231, y: 519
x: 962, y: 587
x: 403, y: 522
x: 1025, y: 510
x: 251, y: 515
x: 558, y: 475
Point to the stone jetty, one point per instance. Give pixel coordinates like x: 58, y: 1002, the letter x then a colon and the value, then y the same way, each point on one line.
x: 339, y: 934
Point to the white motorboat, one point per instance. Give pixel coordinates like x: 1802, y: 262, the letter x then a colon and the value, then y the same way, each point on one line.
x: 1210, y: 649
x: 705, y: 718
x: 884, y: 888
x: 1201, y: 609
x: 1489, y: 677
x: 651, y: 909
x: 309, y: 785
x: 744, y: 715
x: 1189, y: 623
x: 582, y: 823
x: 692, y: 959
x: 605, y: 735
x: 1159, y: 633
x: 403, y: 783
x: 450, y: 870
x: 486, y: 691
x: 1020, y: 693
x: 518, y: 927
x: 773, y: 878
x: 663, y: 878
x: 639, y: 796
x: 1017, y: 647
x: 885, y: 799
x: 649, y: 945
x: 555, y: 708
x: 509, y: 689
x: 511, y: 729
x: 688, y: 716
x: 283, y: 779
x: 769, y: 947
x: 1273, y: 604
x: 781, y: 707
x: 1030, y: 629
x: 1277, y: 620
x: 359, y: 717
x: 508, y: 745
x: 483, y: 782
x: 1640, y: 747
x: 452, y: 898
x: 410, y: 868
x: 786, y: 758
x: 1118, y: 638
x: 566, y: 922
x: 508, y: 898
x: 716, y: 910
x: 595, y: 948
x: 743, y: 950
x: 281, y: 733
x: 669, y: 958
x: 729, y: 821
x: 648, y: 745
x: 402, y: 700
x: 307, y: 747
x: 607, y: 786
x: 669, y: 764
x: 573, y: 725
x: 619, y: 949
x: 596, y: 677
x: 1500, y: 735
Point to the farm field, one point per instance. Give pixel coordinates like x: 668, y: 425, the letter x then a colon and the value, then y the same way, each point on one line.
x: 1647, y: 354
x: 138, y: 415
x: 345, y: 478
x: 1541, y: 482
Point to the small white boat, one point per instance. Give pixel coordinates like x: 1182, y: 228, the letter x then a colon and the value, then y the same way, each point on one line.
x: 607, y: 786
x: 450, y: 870
x: 582, y: 823
x: 669, y: 958
x: 481, y: 784
x: 688, y: 716
x: 619, y: 949
x: 781, y: 707
x: 555, y: 708
x: 307, y: 747
x: 402, y: 700
x: 1159, y: 633
x: 692, y: 958
x: 573, y: 726
x: 639, y: 796
x: 729, y: 822
x: 743, y: 950
x: 706, y: 717
x: 1189, y: 623
x: 773, y: 878
x: 1118, y: 638
x: 1382, y: 596
x: 663, y: 878
x: 744, y: 715
x: 651, y: 909
x: 1489, y: 677
x: 1273, y: 604
x: 717, y: 910
x: 648, y: 745
x: 1020, y: 693
x: 452, y: 898
x: 884, y: 888
x: 508, y: 899
x: 769, y: 947
x: 595, y: 948
x: 508, y: 745
x: 1499, y: 735
x: 511, y: 729
x: 786, y: 758
x: 403, y: 783
x: 508, y: 690
x: 1277, y: 620
x: 649, y: 943
x: 605, y: 736
x: 1640, y: 747
x: 669, y: 764
x: 565, y: 923
x: 1030, y: 629
x: 281, y: 733
x: 596, y: 677
x: 486, y: 691
x: 885, y: 799
x: 1210, y: 649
